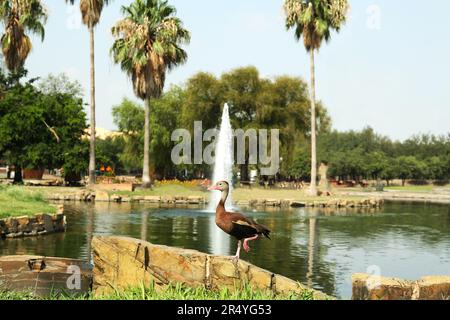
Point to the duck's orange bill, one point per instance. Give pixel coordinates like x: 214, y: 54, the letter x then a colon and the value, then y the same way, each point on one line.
x: 214, y: 188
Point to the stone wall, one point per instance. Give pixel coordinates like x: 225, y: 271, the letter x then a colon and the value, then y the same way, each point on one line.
x: 43, y: 276
x: 104, y: 196
x: 369, y: 287
x: 121, y: 262
x: 39, y: 224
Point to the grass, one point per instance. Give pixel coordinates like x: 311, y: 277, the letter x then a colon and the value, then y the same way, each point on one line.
x: 173, y: 292
x: 18, y: 201
x: 238, y: 194
x: 410, y: 188
x: 280, y: 194
x: 165, y: 190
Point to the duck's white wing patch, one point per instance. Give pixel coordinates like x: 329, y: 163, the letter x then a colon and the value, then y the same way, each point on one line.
x: 242, y: 223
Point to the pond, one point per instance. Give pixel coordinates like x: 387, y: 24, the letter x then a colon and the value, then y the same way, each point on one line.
x: 321, y: 248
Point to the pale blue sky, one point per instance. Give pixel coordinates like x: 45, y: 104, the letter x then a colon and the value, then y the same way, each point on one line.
x: 392, y: 73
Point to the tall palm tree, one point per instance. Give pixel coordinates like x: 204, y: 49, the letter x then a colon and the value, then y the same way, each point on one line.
x: 91, y: 11
x: 148, y: 43
x: 20, y: 17
x: 314, y: 20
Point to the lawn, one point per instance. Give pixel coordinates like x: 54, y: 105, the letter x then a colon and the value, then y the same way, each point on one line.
x: 411, y: 188
x: 238, y: 194
x: 18, y: 201
x: 165, y: 190
x: 176, y: 292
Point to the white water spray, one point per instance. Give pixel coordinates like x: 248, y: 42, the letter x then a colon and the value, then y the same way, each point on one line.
x: 223, y: 168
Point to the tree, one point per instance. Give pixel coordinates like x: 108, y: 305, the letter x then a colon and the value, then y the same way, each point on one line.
x: 91, y: 11
x: 148, y: 43
x: 406, y: 167
x: 313, y: 20
x: 242, y: 89
x: 20, y: 18
x: 60, y: 84
x: 129, y: 118
x: 42, y: 131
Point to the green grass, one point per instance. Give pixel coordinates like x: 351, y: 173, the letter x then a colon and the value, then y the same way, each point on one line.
x: 174, y: 292
x: 238, y: 194
x: 164, y: 190
x: 409, y: 188
x: 18, y: 201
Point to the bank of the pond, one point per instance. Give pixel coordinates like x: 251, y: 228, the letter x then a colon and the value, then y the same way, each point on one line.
x: 33, y: 225
x: 182, y: 195
x: 20, y: 201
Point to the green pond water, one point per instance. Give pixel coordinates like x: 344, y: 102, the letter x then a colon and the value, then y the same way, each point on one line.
x: 321, y: 248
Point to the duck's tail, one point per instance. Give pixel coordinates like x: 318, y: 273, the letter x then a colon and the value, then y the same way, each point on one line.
x: 266, y: 232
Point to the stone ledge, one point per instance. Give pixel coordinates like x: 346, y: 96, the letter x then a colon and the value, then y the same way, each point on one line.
x: 38, y: 224
x: 43, y: 276
x: 104, y: 196
x: 369, y: 287
x: 121, y: 262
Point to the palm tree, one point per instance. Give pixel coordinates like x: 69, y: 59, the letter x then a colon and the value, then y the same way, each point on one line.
x: 314, y: 20
x: 147, y: 44
x: 20, y: 17
x: 91, y: 11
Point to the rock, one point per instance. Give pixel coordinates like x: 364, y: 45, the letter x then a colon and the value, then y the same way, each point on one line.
x: 121, y: 262
x: 152, y: 199
x: 126, y: 199
x: 369, y: 287
x: 432, y: 288
x: 101, y: 196
x: 48, y: 223
x: 137, y: 198
x: 272, y: 202
x: 115, y: 198
x: 286, y: 202
x: 43, y: 275
x: 34, y: 225
x: 260, y: 202
x: 195, y: 200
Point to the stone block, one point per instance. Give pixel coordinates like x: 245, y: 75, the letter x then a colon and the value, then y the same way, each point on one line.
x: 101, y: 196
x: 369, y: 287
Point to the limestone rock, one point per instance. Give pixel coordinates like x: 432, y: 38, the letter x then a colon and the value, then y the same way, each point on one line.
x: 43, y: 275
x: 432, y: 288
x: 121, y: 262
x: 101, y: 196
x: 369, y: 287
x: 152, y: 199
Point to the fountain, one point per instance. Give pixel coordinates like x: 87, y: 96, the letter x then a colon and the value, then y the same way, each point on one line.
x: 223, y: 170
x: 223, y: 167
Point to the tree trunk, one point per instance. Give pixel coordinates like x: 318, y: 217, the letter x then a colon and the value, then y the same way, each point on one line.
x: 92, y: 136
x: 313, y: 187
x: 18, y: 174
x: 146, y: 181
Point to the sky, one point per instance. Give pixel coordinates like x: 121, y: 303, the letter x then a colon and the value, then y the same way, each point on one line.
x: 388, y: 68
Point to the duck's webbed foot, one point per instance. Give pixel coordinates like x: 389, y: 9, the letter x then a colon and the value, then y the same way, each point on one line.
x: 246, y: 246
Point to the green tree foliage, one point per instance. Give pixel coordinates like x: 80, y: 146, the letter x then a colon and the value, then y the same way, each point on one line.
x: 129, y: 118
x: 41, y: 130
x: 367, y: 155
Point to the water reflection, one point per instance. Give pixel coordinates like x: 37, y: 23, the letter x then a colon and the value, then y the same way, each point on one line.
x: 319, y: 247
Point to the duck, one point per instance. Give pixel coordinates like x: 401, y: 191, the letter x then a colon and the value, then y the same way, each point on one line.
x: 243, y: 228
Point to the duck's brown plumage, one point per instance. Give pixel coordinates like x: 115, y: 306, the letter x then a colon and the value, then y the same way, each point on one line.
x: 238, y: 225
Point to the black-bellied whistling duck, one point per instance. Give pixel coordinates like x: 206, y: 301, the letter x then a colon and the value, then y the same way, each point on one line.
x: 236, y: 224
